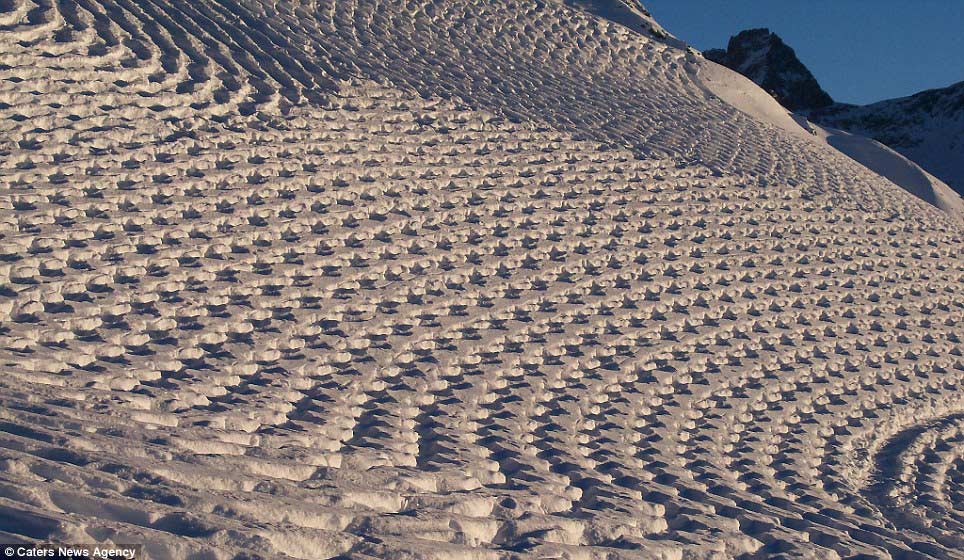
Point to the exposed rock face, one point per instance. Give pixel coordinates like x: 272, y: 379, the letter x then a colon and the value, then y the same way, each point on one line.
x: 764, y: 58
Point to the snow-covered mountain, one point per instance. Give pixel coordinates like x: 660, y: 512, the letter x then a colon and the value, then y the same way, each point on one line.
x: 927, y: 127
x: 763, y: 57
x: 454, y: 279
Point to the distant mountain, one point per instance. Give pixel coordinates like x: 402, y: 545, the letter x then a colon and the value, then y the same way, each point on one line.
x: 927, y: 127
x: 763, y: 57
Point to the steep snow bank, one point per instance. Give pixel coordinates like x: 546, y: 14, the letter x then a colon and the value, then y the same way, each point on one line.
x: 927, y: 127
x: 740, y: 92
x: 745, y: 95
x: 895, y: 167
x: 628, y: 13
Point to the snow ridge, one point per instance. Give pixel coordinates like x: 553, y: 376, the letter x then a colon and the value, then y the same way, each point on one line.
x: 927, y: 127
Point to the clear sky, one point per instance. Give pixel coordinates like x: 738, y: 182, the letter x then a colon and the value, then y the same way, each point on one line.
x: 860, y: 51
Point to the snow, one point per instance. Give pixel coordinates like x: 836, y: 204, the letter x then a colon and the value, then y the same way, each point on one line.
x: 743, y: 94
x: 927, y: 127
x: 453, y: 279
x: 894, y: 167
x: 628, y: 13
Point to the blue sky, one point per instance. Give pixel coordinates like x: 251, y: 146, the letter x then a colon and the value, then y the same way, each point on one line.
x: 860, y: 50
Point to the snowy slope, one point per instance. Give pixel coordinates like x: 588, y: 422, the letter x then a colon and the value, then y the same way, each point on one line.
x: 762, y: 58
x: 898, y: 169
x: 629, y: 13
x: 452, y: 279
x: 743, y: 94
x: 927, y: 127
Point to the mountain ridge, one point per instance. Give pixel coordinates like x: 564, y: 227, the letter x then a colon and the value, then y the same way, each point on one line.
x: 927, y: 127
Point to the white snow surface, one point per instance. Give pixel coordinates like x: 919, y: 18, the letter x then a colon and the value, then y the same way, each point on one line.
x: 743, y: 94
x: 407, y: 279
x: 893, y: 166
x: 927, y: 127
x: 628, y: 13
